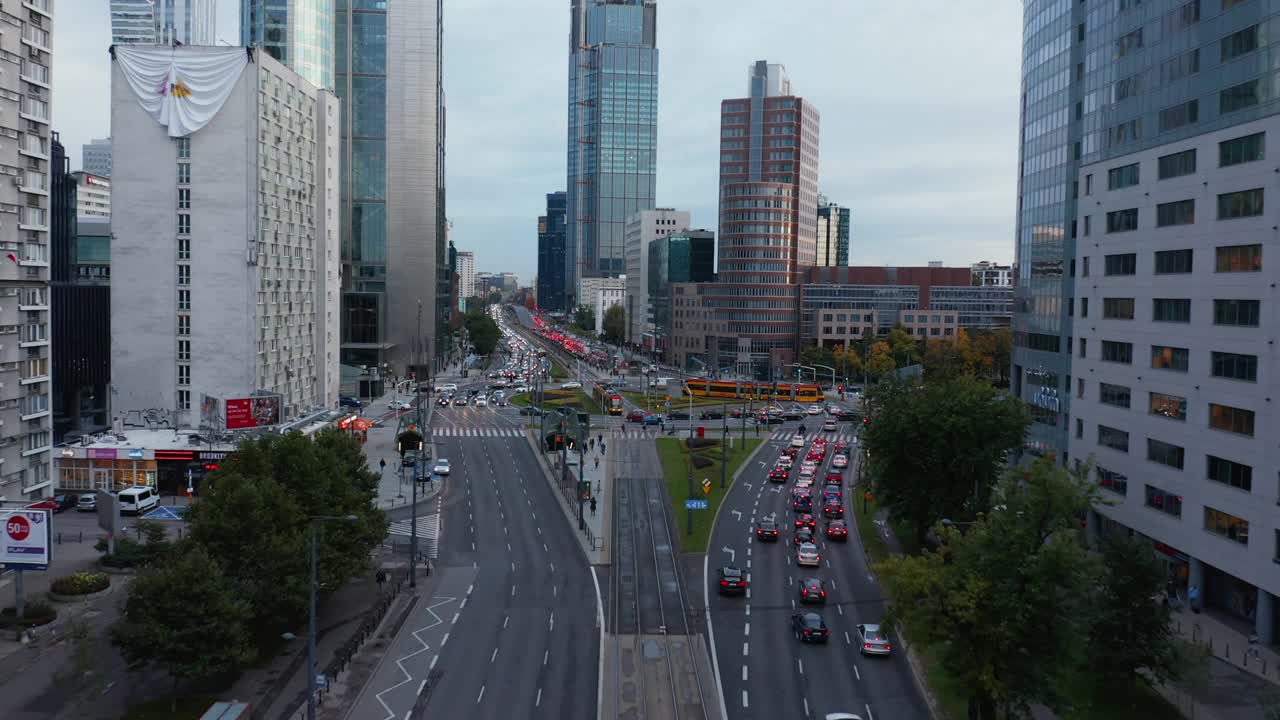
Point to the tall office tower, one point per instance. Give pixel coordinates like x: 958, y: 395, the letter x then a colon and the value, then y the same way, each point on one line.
x: 93, y: 194
x: 832, y: 235
x: 1145, y: 306
x: 613, y: 115
x: 642, y: 229
x: 768, y: 221
x: 466, y: 274
x: 300, y: 34
x: 25, y: 439
x: 163, y: 22
x: 551, y: 255
x: 96, y: 157
x: 225, y: 264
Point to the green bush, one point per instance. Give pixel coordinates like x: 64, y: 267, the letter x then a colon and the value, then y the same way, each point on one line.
x: 34, y: 614
x: 131, y: 553
x: 702, y: 442
x: 701, y: 462
x: 81, y: 583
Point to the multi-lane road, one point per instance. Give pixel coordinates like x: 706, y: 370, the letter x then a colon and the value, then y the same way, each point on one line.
x: 766, y: 672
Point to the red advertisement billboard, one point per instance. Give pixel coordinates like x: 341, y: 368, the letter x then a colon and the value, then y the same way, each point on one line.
x: 253, y: 412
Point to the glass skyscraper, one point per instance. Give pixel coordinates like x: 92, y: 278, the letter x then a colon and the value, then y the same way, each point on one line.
x: 551, y: 264
x: 190, y: 22
x: 613, y: 110
x: 298, y: 33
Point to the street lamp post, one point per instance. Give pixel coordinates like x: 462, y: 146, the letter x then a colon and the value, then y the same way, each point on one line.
x: 724, y: 442
x: 312, y: 684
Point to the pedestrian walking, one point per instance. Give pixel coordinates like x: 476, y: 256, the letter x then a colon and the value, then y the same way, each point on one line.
x: 382, y: 465
x: 593, y: 507
x: 597, y: 462
x: 1193, y: 598
x: 601, y: 437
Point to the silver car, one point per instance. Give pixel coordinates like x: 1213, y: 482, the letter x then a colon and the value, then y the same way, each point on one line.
x: 807, y: 554
x: 873, y: 641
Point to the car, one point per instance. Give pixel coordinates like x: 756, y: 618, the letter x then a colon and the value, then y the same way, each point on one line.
x: 832, y: 510
x: 571, y: 385
x: 441, y: 467
x: 872, y: 640
x: 807, y: 554
x: 804, y: 482
x: 732, y: 580
x: 784, y: 461
x: 778, y: 474
x: 635, y: 416
x: 520, y: 389
x: 791, y: 452
x: 833, y: 479
x: 837, y: 530
x: 766, y: 419
x: 809, y: 627
x: 829, y: 426
x: 653, y: 420
x: 737, y: 413
x: 841, y: 716
x: 347, y: 401
x: 807, y: 471
x: 443, y: 401
x: 811, y: 591
x: 460, y: 401
x: 815, y: 456
x: 86, y: 502
x: 481, y: 402
x: 832, y: 494
x: 803, y: 536
x: 814, y: 409
x: 678, y: 415
x: 840, y: 448
x: 799, y: 491
x: 839, y: 461
x: 792, y: 414
x: 492, y: 375
x: 499, y: 402
x: 767, y: 531
x: 710, y: 415
x: 531, y: 411
x: 806, y: 520
x: 797, y: 441
x: 802, y: 504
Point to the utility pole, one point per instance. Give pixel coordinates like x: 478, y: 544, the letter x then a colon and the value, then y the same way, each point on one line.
x: 724, y: 443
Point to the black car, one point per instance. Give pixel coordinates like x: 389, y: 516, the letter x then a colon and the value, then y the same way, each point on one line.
x: 767, y: 419
x: 347, y: 401
x: 811, y: 591
x: 803, y: 505
x: 677, y: 415
x: 833, y: 510
x: 535, y: 412
x: 804, y: 535
x: 809, y: 627
x: 64, y: 502
x: 732, y: 580
x: 767, y: 531
x: 711, y: 415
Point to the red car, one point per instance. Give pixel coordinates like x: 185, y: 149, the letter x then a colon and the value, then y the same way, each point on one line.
x: 833, y: 479
x: 806, y: 520
x: 778, y: 474
x: 814, y: 457
x: 841, y: 448
x: 790, y: 451
x: 635, y: 416
x: 837, y: 530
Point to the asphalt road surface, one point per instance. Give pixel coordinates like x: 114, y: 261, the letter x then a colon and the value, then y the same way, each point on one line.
x: 766, y: 672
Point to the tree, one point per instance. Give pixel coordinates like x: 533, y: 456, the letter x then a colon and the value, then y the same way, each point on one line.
x: 187, y: 618
x: 812, y: 355
x: 994, y: 351
x: 905, y: 349
x: 937, y: 448
x: 949, y: 358
x: 1130, y: 631
x: 584, y: 319
x: 848, y: 362
x: 615, y: 324
x: 881, y: 362
x: 1005, y: 604
x: 482, y: 330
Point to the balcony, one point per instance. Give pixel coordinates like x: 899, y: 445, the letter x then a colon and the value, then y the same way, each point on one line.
x: 34, y: 72
x: 40, y: 6
x: 38, y: 37
x: 34, y: 182
x: 33, y: 145
x: 35, y: 414
x: 32, y: 218
x: 33, y: 109
x: 34, y: 379
x: 37, y: 450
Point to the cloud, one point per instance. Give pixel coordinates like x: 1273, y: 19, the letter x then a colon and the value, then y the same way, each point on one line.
x: 919, y: 106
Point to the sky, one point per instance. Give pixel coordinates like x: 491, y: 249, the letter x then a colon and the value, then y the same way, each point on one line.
x: 919, y: 104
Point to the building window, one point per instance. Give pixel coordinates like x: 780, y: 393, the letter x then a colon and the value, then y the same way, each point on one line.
x: 1122, y: 220
x: 184, y: 173
x: 1172, y: 262
x: 1245, y: 203
x: 1113, y: 481
x: 184, y: 248
x: 1113, y: 438
x: 1176, y: 164
x: 184, y: 399
x: 1244, y: 313
x: 1164, y: 501
x: 1187, y: 113
x: 184, y: 198
x: 1122, y: 177
x: 1231, y: 419
x: 1238, y: 97
x: 1180, y: 66
x: 1171, y: 310
x: 1117, y: 352
x: 1079, y: 428
x: 1168, y: 406
x: 1116, y: 395
x: 184, y: 147
x: 1169, y: 358
x: 184, y: 324
x: 1124, y: 264
x: 184, y: 274
x: 1088, y: 225
x: 1180, y: 212
x: 1129, y: 43
x: 184, y: 224
x: 1239, y: 43
x: 1235, y: 366
x: 184, y: 351
x: 1084, y: 307
x: 1165, y: 453
x: 184, y: 374
x: 1242, y: 149
x: 1117, y: 308
x: 1084, y: 344
x: 1238, y: 258
x: 1227, y: 525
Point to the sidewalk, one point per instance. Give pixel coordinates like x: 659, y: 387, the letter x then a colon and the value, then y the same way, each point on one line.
x: 595, y: 539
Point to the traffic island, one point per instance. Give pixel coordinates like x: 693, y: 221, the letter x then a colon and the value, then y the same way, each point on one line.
x: 79, y: 587
x: 710, y: 459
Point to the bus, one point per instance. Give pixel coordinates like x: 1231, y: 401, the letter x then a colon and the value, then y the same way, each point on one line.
x: 608, y: 400
x: 795, y: 392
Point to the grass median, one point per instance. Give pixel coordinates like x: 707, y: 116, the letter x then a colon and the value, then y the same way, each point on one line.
x: 674, y: 454
x: 678, y: 402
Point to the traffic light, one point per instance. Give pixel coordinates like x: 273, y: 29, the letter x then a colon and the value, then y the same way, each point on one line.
x: 840, y: 388
x: 210, y: 467
x: 866, y: 421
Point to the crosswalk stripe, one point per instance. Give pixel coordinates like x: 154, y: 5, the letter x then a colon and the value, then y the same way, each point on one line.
x: 428, y: 530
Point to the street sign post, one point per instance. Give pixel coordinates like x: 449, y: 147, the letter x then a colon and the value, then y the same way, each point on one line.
x: 695, y: 504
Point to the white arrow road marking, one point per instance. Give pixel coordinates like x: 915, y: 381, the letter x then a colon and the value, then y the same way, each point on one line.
x: 732, y: 553
x: 738, y: 513
x: 400, y: 662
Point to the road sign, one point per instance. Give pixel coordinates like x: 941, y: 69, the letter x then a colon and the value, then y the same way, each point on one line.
x: 666, y: 404
x: 24, y: 544
x: 706, y: 489
x: 706, y: 483
x: 695, y: 504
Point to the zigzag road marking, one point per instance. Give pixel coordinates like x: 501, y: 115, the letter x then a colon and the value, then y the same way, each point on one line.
x: 408, y: 677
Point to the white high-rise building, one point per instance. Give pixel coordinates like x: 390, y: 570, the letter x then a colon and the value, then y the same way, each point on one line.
x: 466, y: 274
x: 641, y: 229
x: 93, y: 195
x: 163, y: 22
x: 225, y: 267
x: 25, y: 415
x: 96, y: 157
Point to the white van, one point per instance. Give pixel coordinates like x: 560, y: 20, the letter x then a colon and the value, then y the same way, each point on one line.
x: 137, y: 500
